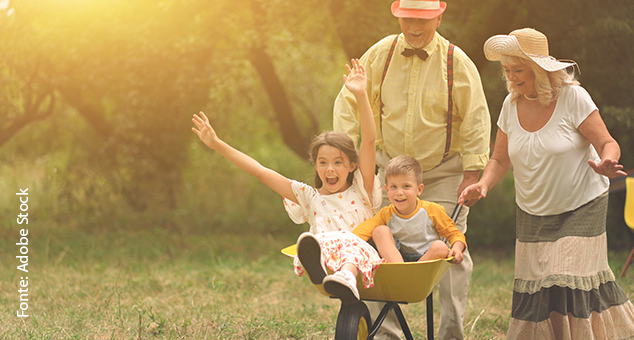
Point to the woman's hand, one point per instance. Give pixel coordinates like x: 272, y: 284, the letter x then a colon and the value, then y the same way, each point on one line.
x: 356, y: 80
x: 607, y: 167
x: 204, y: 130
x: 472, y: 194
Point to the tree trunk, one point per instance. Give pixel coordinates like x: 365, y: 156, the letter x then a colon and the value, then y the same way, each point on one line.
x: 291, y: 133
x: 33, y: 112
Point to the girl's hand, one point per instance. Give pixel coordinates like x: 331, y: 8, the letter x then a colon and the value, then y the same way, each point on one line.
x: 204, y: 130
x: 472, y: 194
x: 607, y: 167
x: 356, y: 80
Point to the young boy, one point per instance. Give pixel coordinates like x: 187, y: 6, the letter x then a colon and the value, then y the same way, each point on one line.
x: 410, y: 229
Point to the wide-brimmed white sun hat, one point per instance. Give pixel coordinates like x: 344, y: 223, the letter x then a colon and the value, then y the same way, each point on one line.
x: 420, y: 9
x: 525, y: 43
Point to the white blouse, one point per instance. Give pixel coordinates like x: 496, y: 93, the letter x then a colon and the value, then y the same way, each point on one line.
x: 550, y: 165
x: 341, y: 211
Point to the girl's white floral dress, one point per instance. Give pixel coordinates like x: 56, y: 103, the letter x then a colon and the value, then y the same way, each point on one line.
x: 332, y: 218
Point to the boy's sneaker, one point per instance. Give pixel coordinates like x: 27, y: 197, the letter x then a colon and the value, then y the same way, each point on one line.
x: 343, y: 285
x: 309, y: 254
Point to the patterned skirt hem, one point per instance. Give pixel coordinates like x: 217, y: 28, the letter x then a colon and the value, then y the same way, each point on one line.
x: 569, y: 281
x: 539, y: 306
x: 614, y: 323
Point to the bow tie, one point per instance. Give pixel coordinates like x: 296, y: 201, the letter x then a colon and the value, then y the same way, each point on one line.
x: 408, y: 52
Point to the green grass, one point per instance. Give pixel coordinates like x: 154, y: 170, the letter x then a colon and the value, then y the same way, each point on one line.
x: 156, y: 285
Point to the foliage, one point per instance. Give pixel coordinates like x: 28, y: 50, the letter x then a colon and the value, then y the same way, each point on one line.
x: 121, y: 81
x: 491, y: 223
x: 98, y: 96
x: 136, y: 80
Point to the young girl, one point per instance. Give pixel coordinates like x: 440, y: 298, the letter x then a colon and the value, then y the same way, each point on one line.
x: 346, y: 190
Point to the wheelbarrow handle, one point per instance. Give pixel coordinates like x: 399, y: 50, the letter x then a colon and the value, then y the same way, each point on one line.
x: 456, y: 212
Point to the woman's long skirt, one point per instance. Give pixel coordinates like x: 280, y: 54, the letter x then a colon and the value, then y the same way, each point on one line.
x: 564, y: 288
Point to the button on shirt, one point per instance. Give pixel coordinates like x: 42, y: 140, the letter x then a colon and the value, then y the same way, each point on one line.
x: 415, y: 97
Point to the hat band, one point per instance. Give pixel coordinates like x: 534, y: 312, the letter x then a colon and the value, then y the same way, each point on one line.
x: 539, y: 55
x: 426, y: 5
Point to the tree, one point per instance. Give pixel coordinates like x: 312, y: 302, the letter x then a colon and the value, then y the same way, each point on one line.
x: 127, y: 80
x: 27, y: 96
x: 136, y: 74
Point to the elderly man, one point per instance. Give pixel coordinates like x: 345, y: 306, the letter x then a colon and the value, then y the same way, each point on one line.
x: 428, y: 103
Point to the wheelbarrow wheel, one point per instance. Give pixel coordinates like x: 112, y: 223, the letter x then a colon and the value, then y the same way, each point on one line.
x: 353, y: 322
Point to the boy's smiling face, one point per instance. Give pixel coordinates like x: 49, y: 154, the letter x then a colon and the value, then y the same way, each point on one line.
x: 402, y: 190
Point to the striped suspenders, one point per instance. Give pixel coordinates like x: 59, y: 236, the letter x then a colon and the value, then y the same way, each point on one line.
x: 449, y: 101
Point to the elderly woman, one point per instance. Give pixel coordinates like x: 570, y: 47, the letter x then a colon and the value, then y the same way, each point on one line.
x: 562, y: 155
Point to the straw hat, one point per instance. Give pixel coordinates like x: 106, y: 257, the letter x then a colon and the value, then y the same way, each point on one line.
x: 420, y: 9
x: 525, y: 43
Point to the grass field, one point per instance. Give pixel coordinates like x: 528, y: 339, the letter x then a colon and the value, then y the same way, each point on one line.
x: 155, y: 285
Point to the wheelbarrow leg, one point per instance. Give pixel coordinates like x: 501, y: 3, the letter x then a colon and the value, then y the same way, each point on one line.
x: 379, y: 320
x: 383, y: 314
x: 401, y: 320
x: 430, y: 316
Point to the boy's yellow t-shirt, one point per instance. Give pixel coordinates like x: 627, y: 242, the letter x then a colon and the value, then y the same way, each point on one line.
x: 443, y: 224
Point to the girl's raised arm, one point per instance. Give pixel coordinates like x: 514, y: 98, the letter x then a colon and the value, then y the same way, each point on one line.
x: 357, y: 83
x: 272, y: 179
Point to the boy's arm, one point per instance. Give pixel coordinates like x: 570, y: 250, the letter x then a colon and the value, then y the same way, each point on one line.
x: 456, y: 251
x: 445, y: 225
x: 446, y: 228
x: 365, y: 229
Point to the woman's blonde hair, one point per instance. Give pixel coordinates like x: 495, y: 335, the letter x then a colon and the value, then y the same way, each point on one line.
x: 338, y: 140
x: 548, y: 85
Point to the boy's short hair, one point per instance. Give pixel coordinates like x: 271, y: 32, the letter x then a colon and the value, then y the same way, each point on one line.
x: 404, y: 165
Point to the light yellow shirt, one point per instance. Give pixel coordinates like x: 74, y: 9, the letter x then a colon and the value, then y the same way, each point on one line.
x: 415, y: 97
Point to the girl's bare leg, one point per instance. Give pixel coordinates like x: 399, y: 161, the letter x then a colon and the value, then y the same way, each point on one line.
x: 343, y: 284
x: 351, y: 268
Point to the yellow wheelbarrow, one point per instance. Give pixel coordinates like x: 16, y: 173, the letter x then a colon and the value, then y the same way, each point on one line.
x: 394, y: 284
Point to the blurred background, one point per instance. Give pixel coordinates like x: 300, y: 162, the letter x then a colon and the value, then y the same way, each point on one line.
x: 96, y: 99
